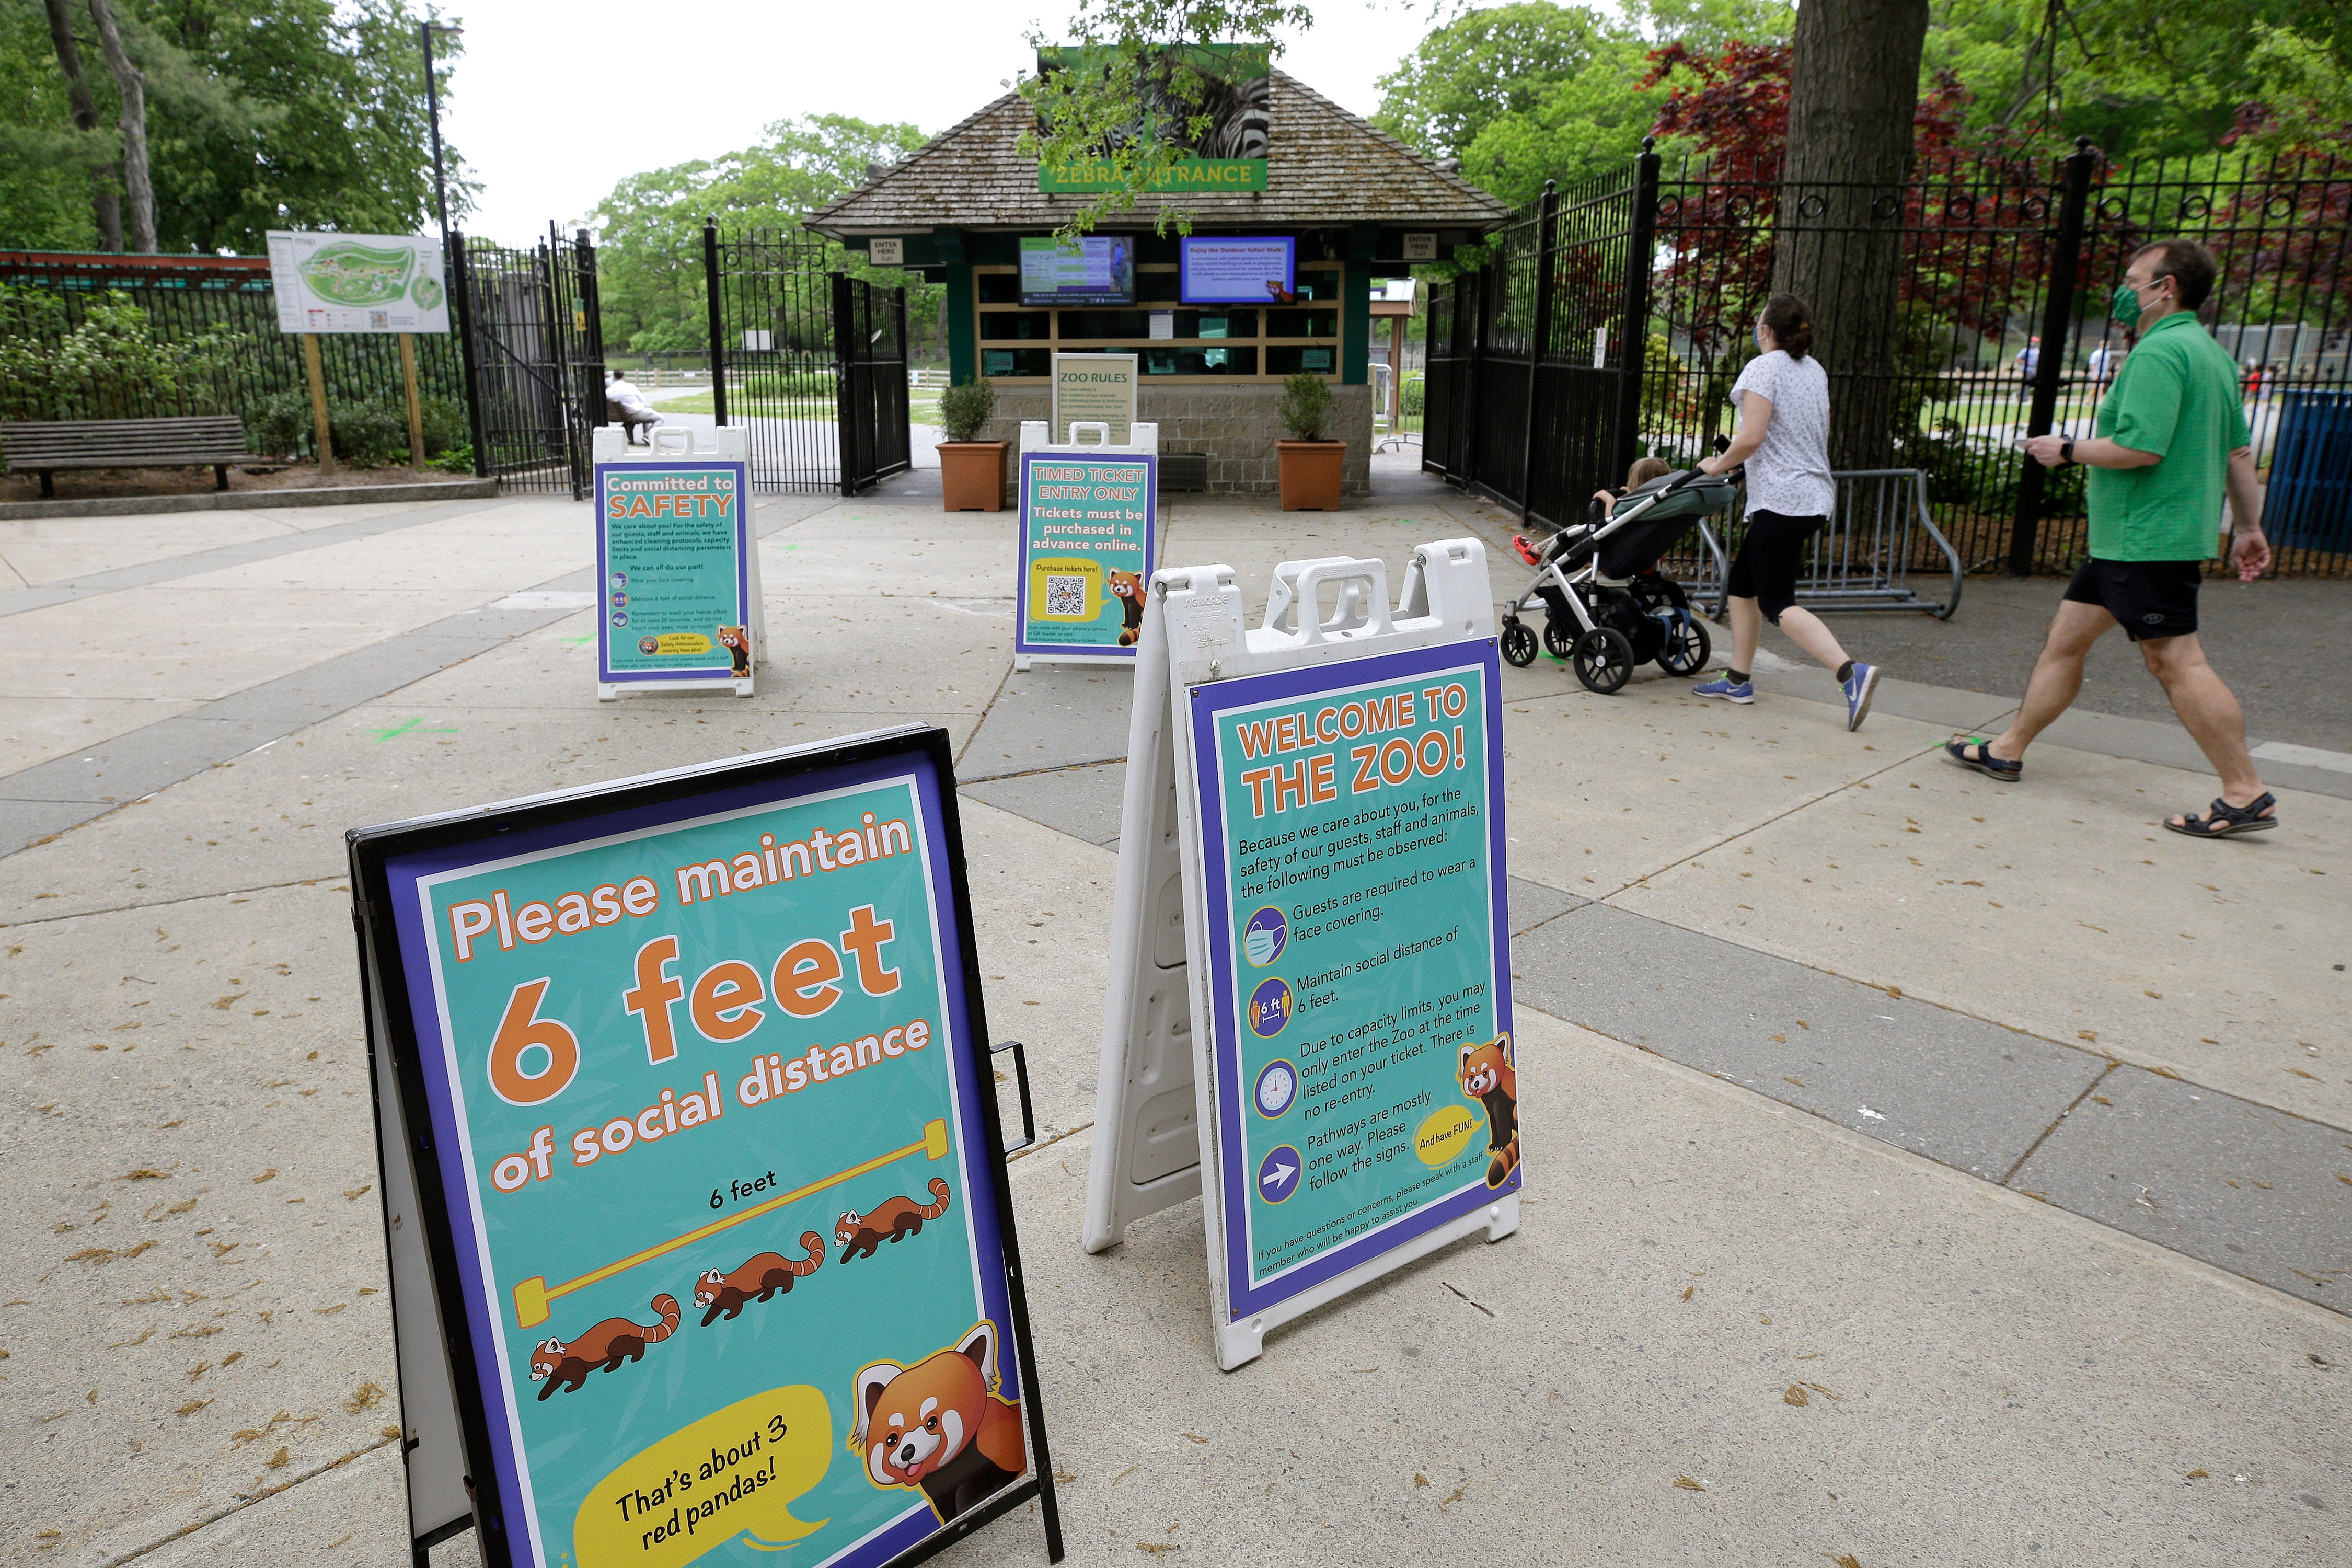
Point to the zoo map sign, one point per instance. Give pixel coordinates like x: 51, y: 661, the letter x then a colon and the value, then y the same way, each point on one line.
x: 357, y: 282
x: 709, y: 1158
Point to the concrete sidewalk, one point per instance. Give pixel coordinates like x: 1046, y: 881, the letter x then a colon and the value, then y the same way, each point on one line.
x: 1924, y: 1171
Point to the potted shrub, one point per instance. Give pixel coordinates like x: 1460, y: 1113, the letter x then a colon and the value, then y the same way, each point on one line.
x: 1309, y: 464
x: 971, y: 471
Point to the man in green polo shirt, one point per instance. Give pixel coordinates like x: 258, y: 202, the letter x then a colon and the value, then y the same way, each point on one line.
x: 2171, y: 442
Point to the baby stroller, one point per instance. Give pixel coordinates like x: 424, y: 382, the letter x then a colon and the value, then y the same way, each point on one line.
x: 1606, y: 606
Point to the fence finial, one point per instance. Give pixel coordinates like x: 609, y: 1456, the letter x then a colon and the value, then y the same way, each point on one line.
x: 1649, y: 144
x: 1550, y: 186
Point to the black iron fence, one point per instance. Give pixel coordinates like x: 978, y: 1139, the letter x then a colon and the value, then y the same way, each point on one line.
x: 1969, y: 295
x: 130, y: 337
x: 811, y: 362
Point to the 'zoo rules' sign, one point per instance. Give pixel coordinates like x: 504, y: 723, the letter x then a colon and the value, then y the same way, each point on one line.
x: 713, y: 1156
x: 1086, y: 552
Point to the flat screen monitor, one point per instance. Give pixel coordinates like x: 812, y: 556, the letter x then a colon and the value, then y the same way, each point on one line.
x: 1258, y: 271
x: 1100, y: 271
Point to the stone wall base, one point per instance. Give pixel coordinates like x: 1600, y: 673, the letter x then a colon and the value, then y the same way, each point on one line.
x: 1236, y: 426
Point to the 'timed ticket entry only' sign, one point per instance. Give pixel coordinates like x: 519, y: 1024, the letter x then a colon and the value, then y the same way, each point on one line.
x: 685, y: 1083
x: 1314, y: 808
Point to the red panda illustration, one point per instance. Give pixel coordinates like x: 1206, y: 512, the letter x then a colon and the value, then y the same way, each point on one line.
x: 737, y: 641
x: 859, y: 1235
x: 941, y: 1425
x: 759, y: 1277
x: 566, y: 1363
x: 1487, y: 1077
x: 1127, y: 587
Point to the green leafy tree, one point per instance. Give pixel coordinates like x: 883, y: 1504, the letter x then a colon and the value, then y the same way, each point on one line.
x: 1136, y: 93
x: 256, y: 114
x: 1588, y: 124
x: 649, y: 262
x: 1491, y: 65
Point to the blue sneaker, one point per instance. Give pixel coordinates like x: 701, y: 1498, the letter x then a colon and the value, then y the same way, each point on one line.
x: 1858, y: 688
x: 1730, y: 691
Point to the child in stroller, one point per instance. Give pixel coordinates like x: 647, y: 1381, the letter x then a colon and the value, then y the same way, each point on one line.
x: 1607, y: 608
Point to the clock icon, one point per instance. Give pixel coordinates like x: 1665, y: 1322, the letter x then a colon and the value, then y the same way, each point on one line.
x: 1277, y: 1086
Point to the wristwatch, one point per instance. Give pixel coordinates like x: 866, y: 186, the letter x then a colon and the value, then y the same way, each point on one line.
x: 2066, y: 450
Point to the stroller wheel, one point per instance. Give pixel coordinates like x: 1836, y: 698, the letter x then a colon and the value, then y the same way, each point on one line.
x: 1603, y: 659
x: 1687, y: 648
x: 1518, y: 644
x: 1560, y: 637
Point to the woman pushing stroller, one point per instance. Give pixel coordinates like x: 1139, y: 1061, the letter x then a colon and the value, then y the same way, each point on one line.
x: 1783, y: 398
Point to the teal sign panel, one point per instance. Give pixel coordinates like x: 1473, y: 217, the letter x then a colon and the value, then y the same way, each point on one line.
x: 1352, y: 823
x: 1088, y: 543
x: 710, y: 1161
x: 674, y: 571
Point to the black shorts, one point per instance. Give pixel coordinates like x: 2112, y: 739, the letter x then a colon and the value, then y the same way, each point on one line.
x: 2148, y: 599
x: 1765, y: 568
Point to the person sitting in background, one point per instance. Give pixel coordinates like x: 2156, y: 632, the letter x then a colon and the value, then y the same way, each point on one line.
x: 626, y: 407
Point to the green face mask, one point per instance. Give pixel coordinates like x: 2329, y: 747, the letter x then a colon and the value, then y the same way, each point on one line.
x: 2125, y: 305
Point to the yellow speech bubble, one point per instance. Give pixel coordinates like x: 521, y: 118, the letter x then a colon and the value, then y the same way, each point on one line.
x: 730, y: 1476
x: 1444, y: 1134
x: 683, y: 642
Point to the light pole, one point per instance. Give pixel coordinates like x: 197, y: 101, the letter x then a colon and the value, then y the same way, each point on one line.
x: 454, y: 262
x: 425, y: 31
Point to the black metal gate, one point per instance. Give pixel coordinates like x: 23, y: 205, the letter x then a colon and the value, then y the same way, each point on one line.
x: 1611, y: 320
x: 535, y: 357
x: 810, y: 361
x: 1535, y: 359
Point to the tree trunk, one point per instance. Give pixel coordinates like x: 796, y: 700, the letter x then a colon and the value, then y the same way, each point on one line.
x: 1853, y: 88
x: 105, y: 207
x: 133, y: 88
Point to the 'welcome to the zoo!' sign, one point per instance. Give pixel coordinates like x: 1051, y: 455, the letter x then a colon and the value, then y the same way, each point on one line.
x: 706, y: 1146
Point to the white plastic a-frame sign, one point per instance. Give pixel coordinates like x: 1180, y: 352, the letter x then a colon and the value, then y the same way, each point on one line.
x: 1309, y: 949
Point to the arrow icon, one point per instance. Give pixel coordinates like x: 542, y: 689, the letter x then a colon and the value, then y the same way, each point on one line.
x: 1279, y: 1175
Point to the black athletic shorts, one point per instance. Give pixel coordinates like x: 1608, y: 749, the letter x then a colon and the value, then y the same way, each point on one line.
x: 1766, y: 565
x: 2148, y: 598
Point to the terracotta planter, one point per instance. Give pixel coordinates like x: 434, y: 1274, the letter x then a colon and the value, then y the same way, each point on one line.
x: 1311, y: 474
x: 971, y: 476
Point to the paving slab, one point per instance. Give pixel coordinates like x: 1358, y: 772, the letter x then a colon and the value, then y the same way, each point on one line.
x: 192, y: 1240
x: 35, y: 728
x: 1691, y: 1264
x: 276, y: 814
x: 2242, y: 1186
x: 1532, y: 904
x: 1963, y: 1092
x: 1605, y: 791
x: 78, y: 558
x: 1052, y: 716
x: 2063, y: 909
x: 1084, y: 802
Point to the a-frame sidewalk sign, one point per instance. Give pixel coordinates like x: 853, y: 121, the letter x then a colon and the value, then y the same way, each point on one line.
x: 1090, y: 521
x: 693, y: 1177
x: 1308, y: 1019
x: 680, y: 606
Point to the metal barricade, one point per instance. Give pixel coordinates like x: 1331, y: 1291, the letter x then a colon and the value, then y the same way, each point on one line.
x: 1879, y: 536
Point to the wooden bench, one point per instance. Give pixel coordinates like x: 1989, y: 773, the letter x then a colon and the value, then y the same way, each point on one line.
x: 196, y: 441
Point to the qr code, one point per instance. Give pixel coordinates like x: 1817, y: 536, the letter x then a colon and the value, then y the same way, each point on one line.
x: 1064, y: 595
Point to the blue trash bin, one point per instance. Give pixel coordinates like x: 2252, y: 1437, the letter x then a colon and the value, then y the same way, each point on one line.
x: 2309, y: 502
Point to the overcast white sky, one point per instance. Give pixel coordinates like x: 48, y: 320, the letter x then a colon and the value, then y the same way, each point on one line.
x: 661, y: 86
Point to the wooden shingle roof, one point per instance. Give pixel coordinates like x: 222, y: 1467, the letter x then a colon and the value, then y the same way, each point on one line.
x: 1325, y: 167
